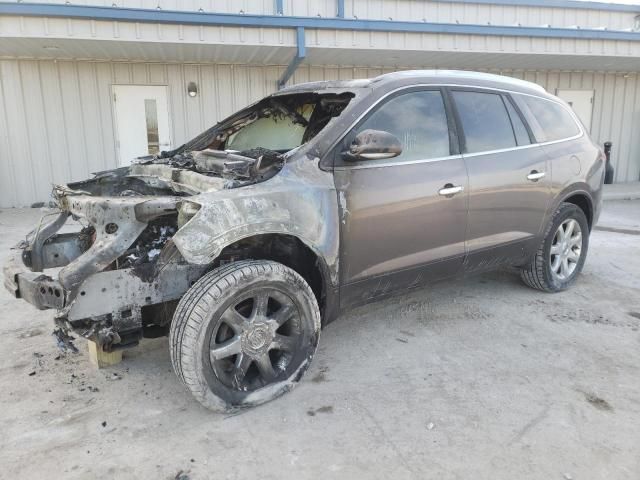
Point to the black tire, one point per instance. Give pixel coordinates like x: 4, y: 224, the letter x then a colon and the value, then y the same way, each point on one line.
x: 538, y: 273
x: 221, y: 311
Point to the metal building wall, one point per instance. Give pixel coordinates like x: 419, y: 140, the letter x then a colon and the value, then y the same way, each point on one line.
x: 415, y: 10
x: 56, y: 117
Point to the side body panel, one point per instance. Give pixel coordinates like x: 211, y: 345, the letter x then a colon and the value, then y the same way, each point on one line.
x: 300, y: 201
x: 397, y: 232
x: 577, y: 168
x: 506, y: 210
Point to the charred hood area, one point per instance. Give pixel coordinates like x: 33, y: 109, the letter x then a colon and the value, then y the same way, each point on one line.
x: 249, y: 147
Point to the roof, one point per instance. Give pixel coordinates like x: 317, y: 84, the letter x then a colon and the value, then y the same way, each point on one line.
x: 464, y: 76
x: 406, y: 77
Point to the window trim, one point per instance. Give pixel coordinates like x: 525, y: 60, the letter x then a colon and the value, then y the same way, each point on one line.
x: 516, y: 108
x: 331, y: 151
x: 454, y: 148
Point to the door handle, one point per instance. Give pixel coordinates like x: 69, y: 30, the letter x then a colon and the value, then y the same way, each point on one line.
x: 449, y: 190
x: 534, y: 176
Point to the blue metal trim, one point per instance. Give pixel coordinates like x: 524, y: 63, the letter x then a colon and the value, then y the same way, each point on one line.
x: 616, y: 7
x: 301, y: 53
x: 276, y: 21
x: 340, y: 8
x: 279, y: 7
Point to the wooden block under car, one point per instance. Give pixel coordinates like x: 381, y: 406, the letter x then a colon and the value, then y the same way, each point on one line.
x: 100, y: 358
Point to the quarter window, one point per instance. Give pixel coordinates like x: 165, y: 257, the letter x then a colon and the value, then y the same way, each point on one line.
x: 418, y: 119
x: 554, y: 120
x: 485, y: 121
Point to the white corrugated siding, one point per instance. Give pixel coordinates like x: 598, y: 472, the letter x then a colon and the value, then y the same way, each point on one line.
x: 56, y: 121
x: 413, y: 10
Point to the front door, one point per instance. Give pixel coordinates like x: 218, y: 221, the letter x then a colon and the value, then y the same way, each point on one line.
x: 509, y: 179
x: 403, y: 219
x: 142, y: 121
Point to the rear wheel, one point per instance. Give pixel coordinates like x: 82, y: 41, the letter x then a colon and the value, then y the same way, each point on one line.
x: 244, y: 334
x: 562, y: 253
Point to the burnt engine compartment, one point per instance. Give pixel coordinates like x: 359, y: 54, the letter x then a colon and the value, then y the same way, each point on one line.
x: 209, y: 162
x: 116, y: 183
x: 132, y: 289
x: 149, y: 245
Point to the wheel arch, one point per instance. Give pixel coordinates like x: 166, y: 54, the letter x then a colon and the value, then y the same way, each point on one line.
x: 293, y: 252
x: 576, y: 194
x: 583, y: 201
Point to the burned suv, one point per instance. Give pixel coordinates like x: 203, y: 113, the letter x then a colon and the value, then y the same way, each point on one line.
x: 243, y: 242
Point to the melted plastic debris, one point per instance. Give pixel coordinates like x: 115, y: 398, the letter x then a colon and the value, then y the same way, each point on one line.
x: 64, y: 341
x: 149, y: 245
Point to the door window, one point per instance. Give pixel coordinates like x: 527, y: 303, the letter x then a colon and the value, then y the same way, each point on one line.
x: 418, y: 119
x: 554, y: 120
x: 151, y: 117
x: 485, y: 121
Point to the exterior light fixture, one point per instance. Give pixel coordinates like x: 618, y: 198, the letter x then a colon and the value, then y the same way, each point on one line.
x: 192, y: 89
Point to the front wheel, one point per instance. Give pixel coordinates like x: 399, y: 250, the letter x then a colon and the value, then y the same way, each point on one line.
x: 563, y: 251
x: 244, y: 334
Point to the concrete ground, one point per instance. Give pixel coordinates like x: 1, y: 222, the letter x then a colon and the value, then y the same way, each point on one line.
x: 473, y: 379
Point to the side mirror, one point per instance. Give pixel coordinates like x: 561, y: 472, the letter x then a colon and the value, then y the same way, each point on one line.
x: 373, y: 145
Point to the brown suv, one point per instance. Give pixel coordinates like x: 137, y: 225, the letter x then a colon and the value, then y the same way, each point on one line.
x: 241, y: 243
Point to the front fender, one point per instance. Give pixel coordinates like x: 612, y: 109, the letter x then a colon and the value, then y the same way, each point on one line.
x: 300, y: 201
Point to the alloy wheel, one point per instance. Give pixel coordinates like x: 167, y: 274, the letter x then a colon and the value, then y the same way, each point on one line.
x: 256, y: 340
x: 566, y: 249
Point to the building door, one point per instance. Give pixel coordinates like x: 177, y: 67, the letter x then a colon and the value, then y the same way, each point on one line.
x: 142, y: 121
x: 581, y: 101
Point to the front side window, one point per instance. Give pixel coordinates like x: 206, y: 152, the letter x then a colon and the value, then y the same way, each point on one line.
x: 485, y: 121
x: 554, y: 120
x: 418, y: 119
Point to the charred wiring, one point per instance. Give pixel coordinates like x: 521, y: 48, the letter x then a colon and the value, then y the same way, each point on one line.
x: 149, y: 244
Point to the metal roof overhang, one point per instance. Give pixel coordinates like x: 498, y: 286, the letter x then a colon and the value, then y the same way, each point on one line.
x: 133, y: 35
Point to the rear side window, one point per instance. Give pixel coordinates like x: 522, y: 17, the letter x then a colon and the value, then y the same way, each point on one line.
x: 555, y: 121
x: 418, y: 119
x: 485, y: 121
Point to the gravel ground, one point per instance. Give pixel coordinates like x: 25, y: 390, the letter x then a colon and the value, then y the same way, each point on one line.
x: 478, y: 378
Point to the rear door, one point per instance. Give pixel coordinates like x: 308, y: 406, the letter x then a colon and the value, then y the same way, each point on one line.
x: 400, y: 226
x: 509, y: 188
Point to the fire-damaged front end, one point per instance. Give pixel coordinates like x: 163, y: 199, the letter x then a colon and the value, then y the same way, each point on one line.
x: 123, y: 247
x: 113, y: 271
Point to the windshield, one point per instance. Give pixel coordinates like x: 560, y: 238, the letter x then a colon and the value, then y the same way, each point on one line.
x: 278, y: 124
x: 273, y: 132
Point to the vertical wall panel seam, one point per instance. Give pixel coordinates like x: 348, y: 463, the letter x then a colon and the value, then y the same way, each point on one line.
x: 46, y: 116
x: 85, y: 147
x: 27, y: 131
x: 64, y: 121
x: 620, y: 160
x: 632, y: 105
x: 99, y: 101
x: 10, y: 153
x: 112, y: 115
x: 200, y: 98
x: 636, y: 112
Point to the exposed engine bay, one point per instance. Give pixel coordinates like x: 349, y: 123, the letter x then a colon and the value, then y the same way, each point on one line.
x: 120, y: 273
x: 249, y: 147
